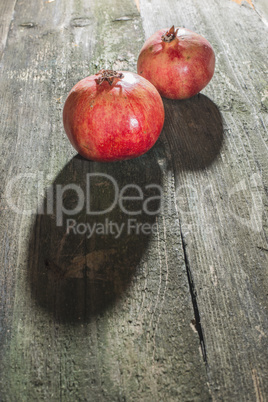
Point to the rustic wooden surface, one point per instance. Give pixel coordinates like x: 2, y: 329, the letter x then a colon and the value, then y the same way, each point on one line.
x: 178, y: 315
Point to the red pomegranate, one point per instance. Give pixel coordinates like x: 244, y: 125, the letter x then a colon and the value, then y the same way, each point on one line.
x: 179, y: 63
x: 113, y: 115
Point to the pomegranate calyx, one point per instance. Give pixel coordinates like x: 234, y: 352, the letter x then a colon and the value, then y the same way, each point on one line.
x: 108, y: 75
x: 170, y: 35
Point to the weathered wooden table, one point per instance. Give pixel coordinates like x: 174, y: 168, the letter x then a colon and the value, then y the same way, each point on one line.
x: 178, y: 314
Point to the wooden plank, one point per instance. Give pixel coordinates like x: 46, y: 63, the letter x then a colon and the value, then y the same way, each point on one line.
x: 6, y: 15
x: 84, y: 319
x: 221, y: 179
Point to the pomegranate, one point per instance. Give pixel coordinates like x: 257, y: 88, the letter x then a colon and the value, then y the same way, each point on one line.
x: 178, y: 62
x: 113, y: 115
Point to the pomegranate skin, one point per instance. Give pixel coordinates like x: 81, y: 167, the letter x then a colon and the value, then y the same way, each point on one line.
x: 179, y: 69
x: 108, y: 122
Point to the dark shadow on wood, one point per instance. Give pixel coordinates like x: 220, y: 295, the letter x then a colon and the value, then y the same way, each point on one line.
x: 74, y: 276
x: 194, y: 131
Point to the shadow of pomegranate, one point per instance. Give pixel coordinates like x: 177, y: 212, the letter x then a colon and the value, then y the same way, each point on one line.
x: 194, y: 131
x: 89, y: 237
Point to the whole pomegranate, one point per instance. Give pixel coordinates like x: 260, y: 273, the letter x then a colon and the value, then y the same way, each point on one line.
x: 113, y: 115
x: 178, y: 62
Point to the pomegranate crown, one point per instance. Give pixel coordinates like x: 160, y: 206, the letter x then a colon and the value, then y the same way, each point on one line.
x: 170, y: 34
x: 108, y: 75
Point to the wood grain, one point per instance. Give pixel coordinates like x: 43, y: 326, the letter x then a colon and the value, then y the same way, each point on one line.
x: 178, y: 315
x: 84, y: 319
x: 261, y: 8
x: 6, y: 15
x: 222, y: 201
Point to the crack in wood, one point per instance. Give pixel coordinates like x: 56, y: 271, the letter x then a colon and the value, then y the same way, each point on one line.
x: 197, y: 321
x: 262, y: 248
